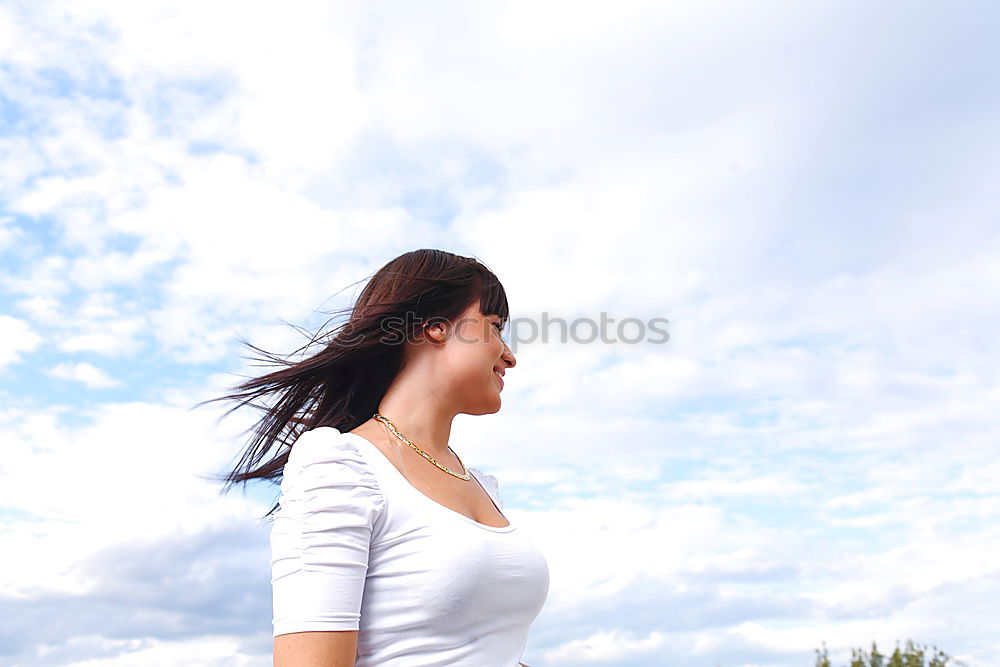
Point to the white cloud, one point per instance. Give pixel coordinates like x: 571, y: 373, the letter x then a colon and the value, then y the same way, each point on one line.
x: 7, y: 231
x: 17, y: 337
x: 607, y: 646
x: 113, y: 337
x: 815, y: 443
x: 106, y: 483
x: 44, y: 310
x: 81, y: 371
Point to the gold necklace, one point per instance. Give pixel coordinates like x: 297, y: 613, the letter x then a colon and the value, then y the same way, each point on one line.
x: 424, y: 454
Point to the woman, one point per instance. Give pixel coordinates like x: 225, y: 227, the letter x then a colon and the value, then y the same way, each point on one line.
x: 385, y: 549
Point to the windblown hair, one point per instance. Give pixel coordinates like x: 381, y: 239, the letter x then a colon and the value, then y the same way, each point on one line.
x: 348, y: 368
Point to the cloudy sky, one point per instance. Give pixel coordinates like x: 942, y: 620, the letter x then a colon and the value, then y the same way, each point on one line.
x: 806, y: 191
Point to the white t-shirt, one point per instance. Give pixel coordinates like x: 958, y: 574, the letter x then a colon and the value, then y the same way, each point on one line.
x: 355, y: 546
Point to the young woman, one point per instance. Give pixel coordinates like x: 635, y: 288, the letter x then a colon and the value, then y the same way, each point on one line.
x: 386, y: 550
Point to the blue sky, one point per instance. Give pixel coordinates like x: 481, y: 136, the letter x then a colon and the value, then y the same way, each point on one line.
x: 806, y: 191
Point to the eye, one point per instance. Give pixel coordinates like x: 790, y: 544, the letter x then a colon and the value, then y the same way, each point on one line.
x: 498, y: 325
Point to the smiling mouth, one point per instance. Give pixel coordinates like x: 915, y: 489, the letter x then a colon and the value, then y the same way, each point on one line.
x: 499, y: 378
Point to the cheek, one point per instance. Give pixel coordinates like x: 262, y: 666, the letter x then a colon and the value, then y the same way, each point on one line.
x: 469, y: 361
x: 471, y: 357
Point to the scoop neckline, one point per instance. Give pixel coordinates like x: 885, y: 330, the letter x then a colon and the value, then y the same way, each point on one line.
x: 496, y: 529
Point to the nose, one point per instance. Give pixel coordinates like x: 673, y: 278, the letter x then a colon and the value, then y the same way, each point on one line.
x: 508, y: 357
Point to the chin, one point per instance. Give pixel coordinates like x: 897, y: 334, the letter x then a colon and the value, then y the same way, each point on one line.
x: 487, y: 409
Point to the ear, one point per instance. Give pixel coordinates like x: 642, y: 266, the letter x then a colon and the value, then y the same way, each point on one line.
x: 435, y: 331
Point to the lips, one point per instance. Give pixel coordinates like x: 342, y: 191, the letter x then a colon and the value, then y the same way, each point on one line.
x: 499, y: 377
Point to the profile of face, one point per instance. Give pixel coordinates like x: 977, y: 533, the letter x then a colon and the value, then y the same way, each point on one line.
x: 473, y: 357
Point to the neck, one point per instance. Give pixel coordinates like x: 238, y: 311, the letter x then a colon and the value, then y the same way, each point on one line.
x: 418, y: 413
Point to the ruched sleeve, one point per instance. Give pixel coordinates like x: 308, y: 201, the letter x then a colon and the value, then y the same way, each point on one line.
x: 491, y: 485
x: 330, y: 503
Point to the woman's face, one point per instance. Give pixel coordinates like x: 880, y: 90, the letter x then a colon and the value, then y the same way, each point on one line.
x: 478, y: 357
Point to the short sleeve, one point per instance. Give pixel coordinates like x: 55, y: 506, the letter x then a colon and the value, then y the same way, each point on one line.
x: 491, y: 485
x: 329, y: 504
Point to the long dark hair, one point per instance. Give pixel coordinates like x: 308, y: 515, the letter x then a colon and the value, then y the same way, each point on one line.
x: 341, y: 384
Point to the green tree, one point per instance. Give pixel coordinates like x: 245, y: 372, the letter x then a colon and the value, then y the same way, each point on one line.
x: 822, y: 659
x: 911, y: 655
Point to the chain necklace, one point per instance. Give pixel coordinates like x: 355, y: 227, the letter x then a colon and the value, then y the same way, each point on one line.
x: 424, y: 454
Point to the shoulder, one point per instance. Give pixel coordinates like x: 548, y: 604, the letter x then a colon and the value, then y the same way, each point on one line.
x: 322, y: 444
x: 324, y: 459
x: 490, y: 483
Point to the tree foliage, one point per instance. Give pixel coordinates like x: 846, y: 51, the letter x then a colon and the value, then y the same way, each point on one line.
x: 910, y: 655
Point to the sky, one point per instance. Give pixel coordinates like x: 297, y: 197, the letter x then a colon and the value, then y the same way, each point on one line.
x: 806, y: 192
